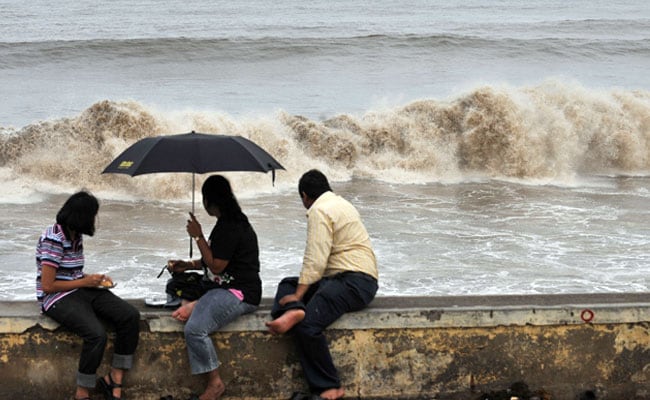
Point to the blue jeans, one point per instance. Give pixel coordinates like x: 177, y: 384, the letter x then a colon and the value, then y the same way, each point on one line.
x: 214, y: 310
x: 324, y: 302
x: 83, y: 312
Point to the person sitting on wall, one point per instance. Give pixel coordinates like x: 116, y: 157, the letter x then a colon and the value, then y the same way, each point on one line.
x: 230, y: 286
x: 81, y: 302
x: 339, y: 275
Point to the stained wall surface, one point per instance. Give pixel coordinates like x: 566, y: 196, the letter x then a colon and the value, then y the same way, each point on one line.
x: 552, y: 347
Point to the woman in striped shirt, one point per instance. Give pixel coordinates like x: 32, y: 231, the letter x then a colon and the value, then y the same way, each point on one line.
x: 79, y: 301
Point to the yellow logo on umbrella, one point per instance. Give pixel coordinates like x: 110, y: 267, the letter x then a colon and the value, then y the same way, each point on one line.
x: 125, y: 165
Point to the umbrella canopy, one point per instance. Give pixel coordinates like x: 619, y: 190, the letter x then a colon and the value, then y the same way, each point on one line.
x: 192, y: 152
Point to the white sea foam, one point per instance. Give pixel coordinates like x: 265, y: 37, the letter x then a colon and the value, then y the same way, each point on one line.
x: 490, y: 237
x: 554, y: 134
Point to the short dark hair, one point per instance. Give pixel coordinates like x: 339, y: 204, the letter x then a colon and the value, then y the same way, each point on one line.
x: 78, y: 213
x: 216, y: 191
x: 313, y: 183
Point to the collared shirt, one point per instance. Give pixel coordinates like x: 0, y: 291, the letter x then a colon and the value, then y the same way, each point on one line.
x: 66, y: 256
x: 337, y: 241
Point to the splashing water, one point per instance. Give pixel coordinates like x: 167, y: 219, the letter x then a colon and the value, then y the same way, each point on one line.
x: 503, y: 190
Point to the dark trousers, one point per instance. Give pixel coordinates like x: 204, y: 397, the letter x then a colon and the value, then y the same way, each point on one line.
x: 83, y: 311
x: 324, y: 302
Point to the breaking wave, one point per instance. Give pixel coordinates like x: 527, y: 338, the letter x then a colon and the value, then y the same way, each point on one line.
x: 552, y: 132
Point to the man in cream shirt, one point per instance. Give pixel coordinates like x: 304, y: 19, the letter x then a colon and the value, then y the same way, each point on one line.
x: 339, y: 275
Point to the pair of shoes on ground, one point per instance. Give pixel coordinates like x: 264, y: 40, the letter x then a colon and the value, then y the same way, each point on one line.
x: 107, y: 387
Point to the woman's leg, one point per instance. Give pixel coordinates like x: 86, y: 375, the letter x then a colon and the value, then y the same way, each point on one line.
x: 214, y: 310
x: 126, y: 320
x: 183, y: 312
x: 75, y: 313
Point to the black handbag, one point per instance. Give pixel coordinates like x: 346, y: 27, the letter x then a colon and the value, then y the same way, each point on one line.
x: 189, y: 285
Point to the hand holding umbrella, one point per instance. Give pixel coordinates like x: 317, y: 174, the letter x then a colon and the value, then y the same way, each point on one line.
x: 196, y: 232
x: 194, y: 228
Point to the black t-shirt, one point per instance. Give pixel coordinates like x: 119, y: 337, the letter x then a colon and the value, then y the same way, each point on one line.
x: 236, y: 241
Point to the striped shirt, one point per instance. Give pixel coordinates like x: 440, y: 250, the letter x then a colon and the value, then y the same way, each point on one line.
x: 67, y: 257
x: 337, y: 241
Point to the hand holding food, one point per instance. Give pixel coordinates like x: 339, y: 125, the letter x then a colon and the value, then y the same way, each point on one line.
x: 99, y: 280
x: 106, y: 282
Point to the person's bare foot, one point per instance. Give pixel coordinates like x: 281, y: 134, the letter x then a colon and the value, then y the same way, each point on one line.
x: 183, y: 312
x: 213, y: 393
x: 215, y: 387
x: 286, y: 321
x: 81, y: 393
x: 333, y: 394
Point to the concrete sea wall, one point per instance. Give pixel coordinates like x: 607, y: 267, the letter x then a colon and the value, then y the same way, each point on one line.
x: 557, y: 347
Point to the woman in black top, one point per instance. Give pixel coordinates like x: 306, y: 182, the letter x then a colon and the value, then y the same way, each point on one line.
x: 230, y: 260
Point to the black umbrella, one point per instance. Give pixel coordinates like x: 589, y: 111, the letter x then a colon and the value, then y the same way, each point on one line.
x: 193, y: 152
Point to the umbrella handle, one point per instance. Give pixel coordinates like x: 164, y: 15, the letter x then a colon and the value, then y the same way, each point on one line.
x: 193, y: 185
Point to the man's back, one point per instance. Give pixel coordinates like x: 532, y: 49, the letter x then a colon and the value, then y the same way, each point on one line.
x: 337, y: 240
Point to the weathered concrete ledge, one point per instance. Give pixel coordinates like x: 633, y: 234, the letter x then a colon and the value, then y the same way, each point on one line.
x: 399, y: 348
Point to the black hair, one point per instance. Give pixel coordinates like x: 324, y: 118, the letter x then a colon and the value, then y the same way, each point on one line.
x: 313, y: 183
x: 216, y: 191
x: 78, y: 214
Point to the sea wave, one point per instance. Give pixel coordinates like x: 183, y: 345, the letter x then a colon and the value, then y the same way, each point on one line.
x: 550, y: 132
x: 16, y: 55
